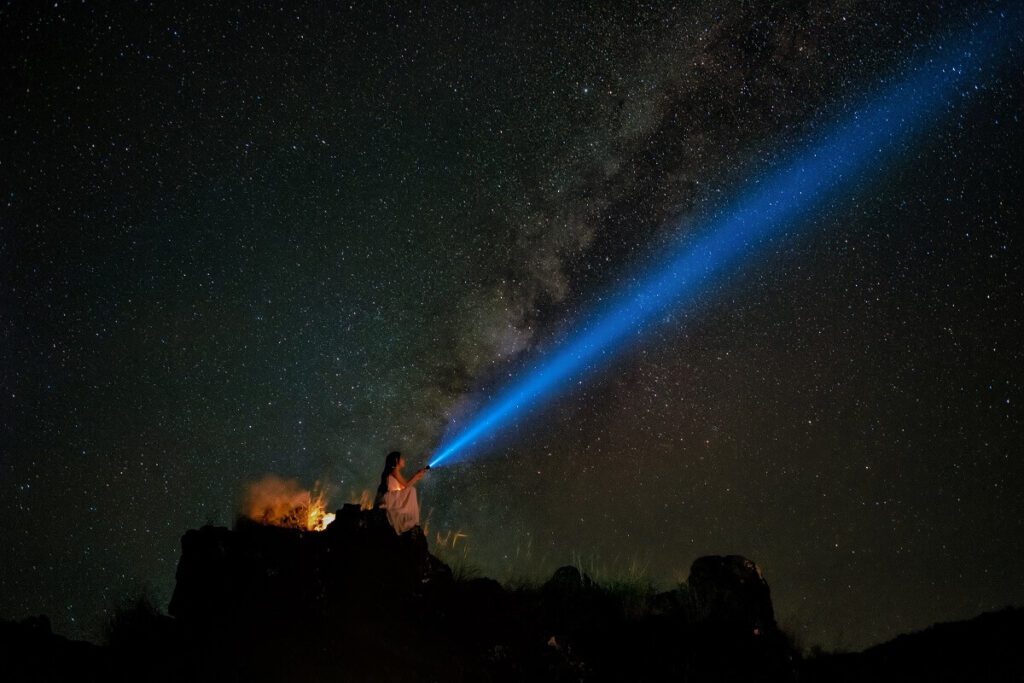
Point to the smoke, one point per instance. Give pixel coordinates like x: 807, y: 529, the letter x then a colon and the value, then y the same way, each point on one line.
x: 283, y: 502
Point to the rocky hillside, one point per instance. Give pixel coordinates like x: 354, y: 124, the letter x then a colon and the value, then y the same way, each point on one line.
x: 357, y: 602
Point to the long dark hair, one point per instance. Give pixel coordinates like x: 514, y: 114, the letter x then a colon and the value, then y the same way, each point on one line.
x: 390, y: 463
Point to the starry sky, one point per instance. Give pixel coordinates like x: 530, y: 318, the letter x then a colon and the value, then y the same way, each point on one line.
x: 246, y: 240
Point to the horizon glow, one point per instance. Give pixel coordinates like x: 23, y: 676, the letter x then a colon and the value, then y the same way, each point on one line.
x: 773, y: 203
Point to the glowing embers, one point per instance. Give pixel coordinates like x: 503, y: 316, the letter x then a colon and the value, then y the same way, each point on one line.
x: 282, y: 502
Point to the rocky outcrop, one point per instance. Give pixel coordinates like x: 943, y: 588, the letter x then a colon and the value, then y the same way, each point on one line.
x: 359, y: 603
x: 359, y: 599
x: 241, y: 577
x: 731, y: 589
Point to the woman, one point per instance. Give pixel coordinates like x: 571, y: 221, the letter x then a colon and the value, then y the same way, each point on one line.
x: 396, y: 494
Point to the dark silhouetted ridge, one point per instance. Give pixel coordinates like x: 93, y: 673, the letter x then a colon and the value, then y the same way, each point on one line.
x: 358, y: 602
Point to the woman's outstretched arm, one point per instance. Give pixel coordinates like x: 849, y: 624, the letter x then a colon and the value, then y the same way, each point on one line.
x: 404, y: 483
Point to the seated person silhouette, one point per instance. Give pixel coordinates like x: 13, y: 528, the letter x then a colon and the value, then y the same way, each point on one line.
x: 396, y: 494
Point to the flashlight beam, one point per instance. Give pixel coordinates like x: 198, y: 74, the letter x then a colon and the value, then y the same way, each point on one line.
x: 829, y: 167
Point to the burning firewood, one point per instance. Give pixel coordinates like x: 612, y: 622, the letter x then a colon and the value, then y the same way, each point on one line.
x: 283, y: 502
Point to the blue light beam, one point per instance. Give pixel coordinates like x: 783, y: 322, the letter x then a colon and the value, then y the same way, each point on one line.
x: 849, y: 150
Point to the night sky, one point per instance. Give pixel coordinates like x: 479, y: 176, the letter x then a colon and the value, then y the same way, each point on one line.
x: 286, y: 240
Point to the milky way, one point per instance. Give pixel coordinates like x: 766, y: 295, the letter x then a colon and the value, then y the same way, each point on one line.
x: 771, y: 205
x: 241, y: 242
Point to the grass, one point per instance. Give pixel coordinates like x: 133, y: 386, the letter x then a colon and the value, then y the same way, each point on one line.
x: 627, y: 580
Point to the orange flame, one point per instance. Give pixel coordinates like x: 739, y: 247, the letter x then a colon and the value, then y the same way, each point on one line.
x: 282, y: 502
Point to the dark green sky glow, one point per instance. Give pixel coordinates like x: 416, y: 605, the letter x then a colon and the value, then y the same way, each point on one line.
x: 287, y: 240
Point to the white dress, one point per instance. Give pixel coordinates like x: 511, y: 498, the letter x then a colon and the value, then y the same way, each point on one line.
x: 402, y: 506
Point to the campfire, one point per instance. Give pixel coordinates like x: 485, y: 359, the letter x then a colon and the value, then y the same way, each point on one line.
x: 283, y: 502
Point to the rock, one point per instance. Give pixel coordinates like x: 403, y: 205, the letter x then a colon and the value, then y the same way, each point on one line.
x: 731, y: 590
x: 567, y: 581
x: 243, y: 577
x: 575, y: 608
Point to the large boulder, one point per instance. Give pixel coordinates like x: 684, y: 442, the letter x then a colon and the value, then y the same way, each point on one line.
x: 567, y: 581
x: 256, y: 573
x: 731, y: 590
